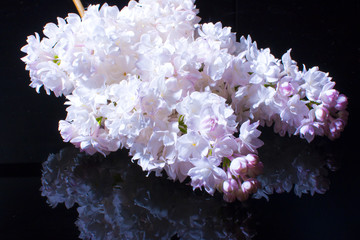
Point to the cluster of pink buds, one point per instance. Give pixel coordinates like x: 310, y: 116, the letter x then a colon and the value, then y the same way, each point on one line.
x: 241, y: 177
x: 328, y: 118
x: 333, y: 113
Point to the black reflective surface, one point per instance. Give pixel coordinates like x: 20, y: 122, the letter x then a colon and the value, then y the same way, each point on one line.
x: 320, y: 33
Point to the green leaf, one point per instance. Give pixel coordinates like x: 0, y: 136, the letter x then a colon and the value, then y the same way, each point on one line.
x: 182, y: 125
x: 98, y: 120
x: 270, y: 85
x: 226, y: 162
x: 309, y: 104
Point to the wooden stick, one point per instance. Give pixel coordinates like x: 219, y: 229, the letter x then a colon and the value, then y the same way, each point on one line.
x: 79, y: 7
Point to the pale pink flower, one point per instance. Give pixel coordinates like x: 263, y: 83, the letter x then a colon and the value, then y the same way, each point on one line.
x: 207, y: 174
x: 192, y: 145
x: 248, y: 137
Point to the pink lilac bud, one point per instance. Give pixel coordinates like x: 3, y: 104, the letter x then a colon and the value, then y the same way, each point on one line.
x: 226, y: 187
x: 255, y: 183
x: 336, y: 127
x: 238, y: 166
x: 308, y: 132
x: 229, y: 188
x: 321, y: 113
x: 339, y: 123
x: 241, y: 192
x: 230, y: 185
x: 256, y: 170
x: 250, y: 186
x: 341, y: 102
x: 255, y: 167
x: 329, y: 97
x: 286, y: 89
x: 247, y: 187
x: 252, y: 159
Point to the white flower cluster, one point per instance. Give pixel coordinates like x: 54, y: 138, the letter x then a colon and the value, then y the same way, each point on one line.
x: 183, y: 97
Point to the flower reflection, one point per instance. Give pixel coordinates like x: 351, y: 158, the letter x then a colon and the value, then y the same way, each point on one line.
x: 290, y: 163
x: 116, y: 200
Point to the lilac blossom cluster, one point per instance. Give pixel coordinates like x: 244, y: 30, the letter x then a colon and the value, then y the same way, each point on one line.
x: 183, y: 97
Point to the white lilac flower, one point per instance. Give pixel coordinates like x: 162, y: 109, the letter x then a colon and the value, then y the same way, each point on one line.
x: 290, y: 67
x: 217, y: 34
x: 248, y: 48
x: 213, y: 59
x: 238, y: 72
x: 192, y: 145
x: 265, y: 68
x: 315, y: 80
x: 225, y: 146
x: 261, y: 102
x: 249, y: 137
x: 161, y: 147
x: 43, y: 64
x: 84, y: 125
x: 208, y: 114
x: 178, y: 169
x: 206, y: 173
x: 309, y: 127
x: 294, y: 111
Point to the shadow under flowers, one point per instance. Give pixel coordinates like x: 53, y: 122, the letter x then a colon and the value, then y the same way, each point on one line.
x: 116, y: 200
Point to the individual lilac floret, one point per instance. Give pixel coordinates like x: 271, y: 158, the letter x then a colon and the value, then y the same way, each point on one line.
x: 286, y: 88
x: 206, y: 173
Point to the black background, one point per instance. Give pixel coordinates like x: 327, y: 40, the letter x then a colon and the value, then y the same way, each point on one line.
x: 320, y: 33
